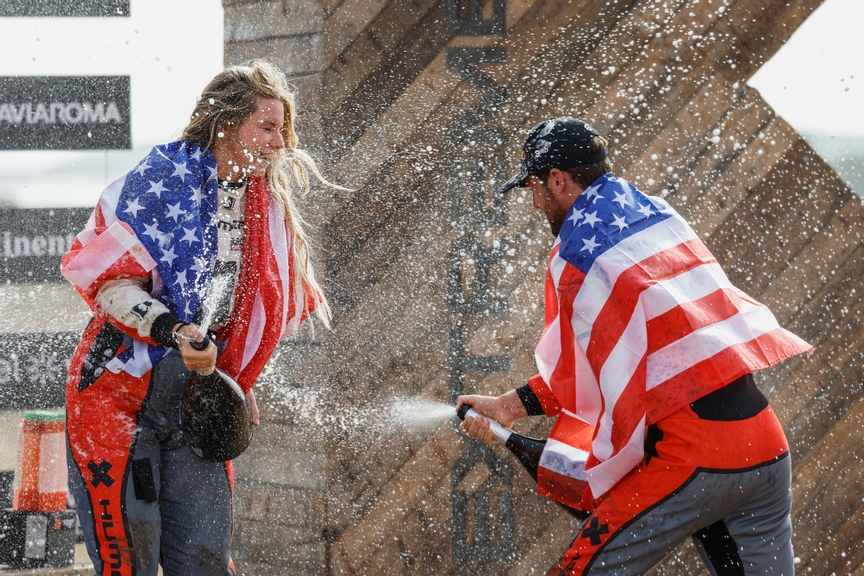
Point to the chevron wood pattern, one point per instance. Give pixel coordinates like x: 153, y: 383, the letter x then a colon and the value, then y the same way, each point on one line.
x: 420, y: 107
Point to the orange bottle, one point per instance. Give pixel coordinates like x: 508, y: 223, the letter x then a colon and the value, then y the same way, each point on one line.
x: 41, y: 478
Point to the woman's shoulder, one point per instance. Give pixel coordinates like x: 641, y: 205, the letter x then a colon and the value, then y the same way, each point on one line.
x: 177, y: 158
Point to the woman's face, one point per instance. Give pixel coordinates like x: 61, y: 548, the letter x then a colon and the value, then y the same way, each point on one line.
x: 249, y: 149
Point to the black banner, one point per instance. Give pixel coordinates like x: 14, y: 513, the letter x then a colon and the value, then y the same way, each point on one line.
x: 64, y: 8
x: 33, y: 369
x: 33, y: 240
x: 65, y: 113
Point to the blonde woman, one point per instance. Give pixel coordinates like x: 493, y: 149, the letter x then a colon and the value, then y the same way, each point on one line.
x: 202, y: 232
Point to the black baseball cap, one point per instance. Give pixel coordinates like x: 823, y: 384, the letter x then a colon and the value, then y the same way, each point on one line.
x: 555, y: 143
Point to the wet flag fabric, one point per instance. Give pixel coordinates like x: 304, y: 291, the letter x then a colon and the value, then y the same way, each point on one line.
x: 159, y: 220
x: 640, y: 321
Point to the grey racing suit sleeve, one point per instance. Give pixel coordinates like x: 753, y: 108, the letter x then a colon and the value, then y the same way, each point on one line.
x: 126, y: 300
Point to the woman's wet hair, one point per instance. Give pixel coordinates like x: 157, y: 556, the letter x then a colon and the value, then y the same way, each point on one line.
x: 226, y: 102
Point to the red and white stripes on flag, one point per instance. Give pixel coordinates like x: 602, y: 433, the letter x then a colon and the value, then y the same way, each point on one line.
x: 107, y: 248
x: 110, y: 251
x: 653, y: 325
x: 265, y: 304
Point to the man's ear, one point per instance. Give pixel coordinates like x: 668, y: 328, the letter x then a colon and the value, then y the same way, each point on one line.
x: 563, y: 187
x: 554, y: 180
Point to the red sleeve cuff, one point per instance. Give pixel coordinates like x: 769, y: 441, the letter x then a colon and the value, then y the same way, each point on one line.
x: 548, y: 402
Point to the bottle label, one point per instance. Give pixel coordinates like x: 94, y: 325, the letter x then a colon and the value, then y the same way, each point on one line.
x: 565, y: 460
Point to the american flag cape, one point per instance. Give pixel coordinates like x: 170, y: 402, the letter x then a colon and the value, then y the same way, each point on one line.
x: 640, y: 321
x: 159, y: 220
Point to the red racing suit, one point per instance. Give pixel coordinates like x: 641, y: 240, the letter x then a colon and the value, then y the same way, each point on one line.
x: 641, y: 326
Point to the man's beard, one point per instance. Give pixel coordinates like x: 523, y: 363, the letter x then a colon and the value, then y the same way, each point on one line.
x: 556, y: 224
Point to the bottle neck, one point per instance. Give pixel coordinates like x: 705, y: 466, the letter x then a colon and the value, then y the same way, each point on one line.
x: 501, y: 433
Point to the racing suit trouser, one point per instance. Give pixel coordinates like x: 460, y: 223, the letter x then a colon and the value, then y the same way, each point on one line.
x: 725, y: 483
x: 143, y: 497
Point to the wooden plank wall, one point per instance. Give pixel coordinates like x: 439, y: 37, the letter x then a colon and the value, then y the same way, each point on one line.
x: 420, y: 107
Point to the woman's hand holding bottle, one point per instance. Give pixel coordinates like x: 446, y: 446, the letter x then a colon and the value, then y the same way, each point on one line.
x: 195, y: 360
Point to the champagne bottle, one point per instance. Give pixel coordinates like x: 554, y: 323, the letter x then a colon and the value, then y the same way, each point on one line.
x: 527, y: 450
x: 214, y: 414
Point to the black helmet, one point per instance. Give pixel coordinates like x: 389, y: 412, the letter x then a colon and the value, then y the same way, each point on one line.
x: 215, y: 417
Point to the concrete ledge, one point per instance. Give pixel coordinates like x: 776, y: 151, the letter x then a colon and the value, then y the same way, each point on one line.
x: 81, y: 567
x: 74, y: 570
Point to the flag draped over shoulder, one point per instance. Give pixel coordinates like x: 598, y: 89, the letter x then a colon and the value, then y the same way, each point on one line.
x: 640, y: 321
x: 159, y: 220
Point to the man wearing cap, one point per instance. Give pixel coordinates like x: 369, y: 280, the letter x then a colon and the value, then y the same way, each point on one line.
x: 647, y: 361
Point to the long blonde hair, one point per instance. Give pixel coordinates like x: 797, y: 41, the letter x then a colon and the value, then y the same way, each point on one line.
x: 226, y: 102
